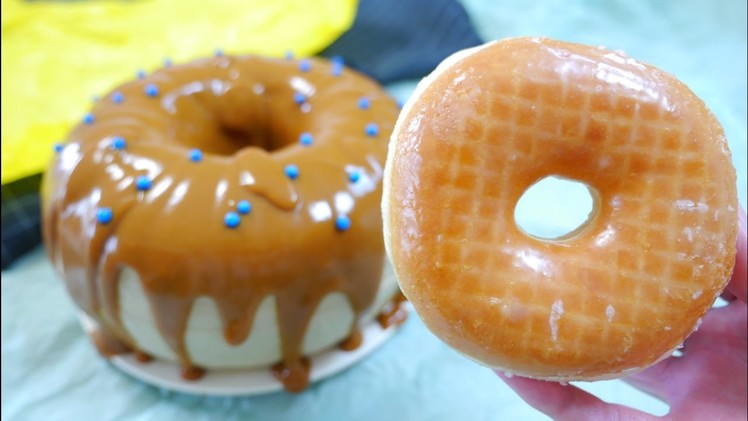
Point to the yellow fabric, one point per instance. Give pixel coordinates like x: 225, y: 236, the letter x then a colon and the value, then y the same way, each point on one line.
x: 57, y: 55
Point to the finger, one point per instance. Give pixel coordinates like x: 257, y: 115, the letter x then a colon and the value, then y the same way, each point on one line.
x: 738, y: 285
x: 568, y: 402
x: 727, y: 295
x: 654, y: 379
x: 721, y: 322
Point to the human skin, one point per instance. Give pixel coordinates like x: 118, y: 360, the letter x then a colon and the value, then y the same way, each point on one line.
x: 708, y: 382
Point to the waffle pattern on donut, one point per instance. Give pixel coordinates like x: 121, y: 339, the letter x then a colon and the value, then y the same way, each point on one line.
x: 616, y: 295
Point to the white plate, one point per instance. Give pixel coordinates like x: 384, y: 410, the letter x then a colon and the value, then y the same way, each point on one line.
x: 250, y: 381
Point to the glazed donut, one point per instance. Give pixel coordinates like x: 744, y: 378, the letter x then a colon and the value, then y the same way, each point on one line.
x: 612, y: 297
x: 224, y: 213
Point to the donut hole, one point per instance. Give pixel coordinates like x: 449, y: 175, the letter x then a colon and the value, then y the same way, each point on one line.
x: 228, y: 122
x: 244, y: 119
x: 240, y: 138
x: 554, y: 208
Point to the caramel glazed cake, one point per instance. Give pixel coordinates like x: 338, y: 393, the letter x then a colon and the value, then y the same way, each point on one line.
x: 224, y: 214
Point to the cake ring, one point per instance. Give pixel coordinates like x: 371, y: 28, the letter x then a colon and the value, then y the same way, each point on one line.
x: 224, y: 213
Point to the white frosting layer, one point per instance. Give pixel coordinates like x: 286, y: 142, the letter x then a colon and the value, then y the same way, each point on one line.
x: 204, y: 337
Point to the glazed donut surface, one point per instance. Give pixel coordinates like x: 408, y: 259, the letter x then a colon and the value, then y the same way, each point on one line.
x: 614, y: 296
x: 252, y: 182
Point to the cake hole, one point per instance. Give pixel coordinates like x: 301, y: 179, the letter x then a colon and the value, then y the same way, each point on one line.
x: 245, y: 118
x: 554, y: 208
x: 257, y: 136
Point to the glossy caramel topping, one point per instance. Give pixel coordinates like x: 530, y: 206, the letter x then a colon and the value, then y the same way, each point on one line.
x: 233, y: 178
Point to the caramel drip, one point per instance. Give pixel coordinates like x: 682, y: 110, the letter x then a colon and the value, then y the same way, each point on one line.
x: 237, y: 315
x: 109, y: 271
x: 294, y: 375
x: 192, y: 373
x: 143, y: 357
x: 107, y: 344
x: 171, y: 314
x: 393, y: 314
x: 266, y: 177
x: 49, y: 235
x: 172, y: 233
x: 353, y: 341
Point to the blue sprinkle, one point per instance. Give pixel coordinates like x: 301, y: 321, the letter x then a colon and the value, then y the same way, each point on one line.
x: 299, y: 98
x: 117, y: 97
x: 167, y: 62
x: 354, y: 176
x: 292, y: 171
x: 244, y: 207
x: 118, y: 143
x: 218, y: 52
x: 337, y: 65
x: 305, y: 65
x: 104, y: 215
x: 372, y: 129
x: 289, y: 55
x: 342, y: 223
x: 88, y: 118
x: 151, y: 90
x: 140, y: 74
x: 364, y: 103
x: 196, y: 155
x: 231, y: 219
x: 306, y: 139
x: 58, y: 147
x: 143, y: 183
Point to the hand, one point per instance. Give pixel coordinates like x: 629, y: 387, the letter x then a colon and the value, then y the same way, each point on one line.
x: 707, y: 383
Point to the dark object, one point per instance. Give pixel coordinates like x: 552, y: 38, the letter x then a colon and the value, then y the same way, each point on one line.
x: 394, y: 40
x: 21, y: 218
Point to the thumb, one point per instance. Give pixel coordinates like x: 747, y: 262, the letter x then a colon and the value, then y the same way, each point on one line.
x: 739, y: 281
x: 567, y: 402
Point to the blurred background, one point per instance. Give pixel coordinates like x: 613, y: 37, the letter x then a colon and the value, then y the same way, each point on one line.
x: 57, y: 56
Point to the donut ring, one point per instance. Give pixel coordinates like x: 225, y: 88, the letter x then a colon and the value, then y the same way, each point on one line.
x: 194, y: 202
x: 614, y: 296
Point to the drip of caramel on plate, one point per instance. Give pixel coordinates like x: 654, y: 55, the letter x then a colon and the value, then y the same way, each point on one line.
x: 393, y: 313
